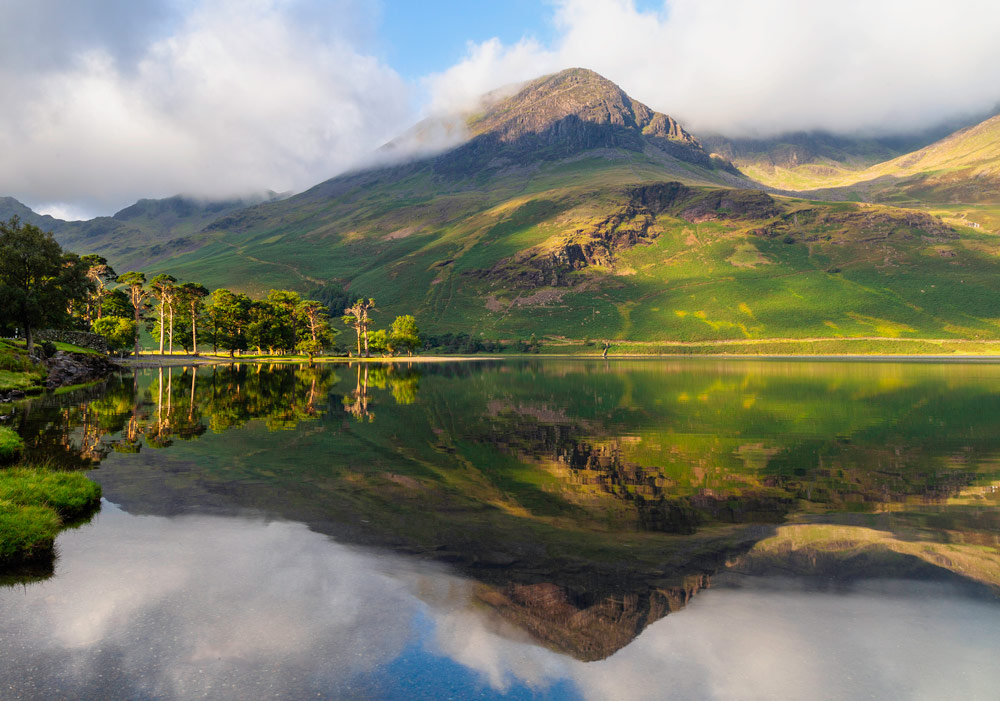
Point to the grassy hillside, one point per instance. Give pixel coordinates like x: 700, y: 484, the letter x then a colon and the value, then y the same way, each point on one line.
x: 962, y: 168
x: 513, y: 261
x: 814, y: 159
x: 138, y: 235
x: 574, y: 212
x: 956, y: 177
x: 806, y: 160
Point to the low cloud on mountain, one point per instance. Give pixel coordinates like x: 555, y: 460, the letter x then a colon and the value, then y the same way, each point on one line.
x: 111, y: 100
x: 759, y: 67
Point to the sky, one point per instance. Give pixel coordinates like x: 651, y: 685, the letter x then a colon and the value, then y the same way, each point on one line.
x: 108, y: 101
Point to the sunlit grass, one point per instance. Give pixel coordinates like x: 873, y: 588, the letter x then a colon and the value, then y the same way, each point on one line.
x: 10, y: 444
x: 35, y: 503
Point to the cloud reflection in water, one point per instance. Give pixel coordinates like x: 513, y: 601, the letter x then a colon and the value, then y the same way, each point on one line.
x: 237, y: 608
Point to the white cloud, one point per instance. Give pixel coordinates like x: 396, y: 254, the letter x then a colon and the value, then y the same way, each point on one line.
x: 764, y: 66
x: 109, y: 101
x: 237, y: 97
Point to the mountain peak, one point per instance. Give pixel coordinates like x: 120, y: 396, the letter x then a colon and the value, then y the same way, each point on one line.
x: 562, y: 115
x: 574, y: 94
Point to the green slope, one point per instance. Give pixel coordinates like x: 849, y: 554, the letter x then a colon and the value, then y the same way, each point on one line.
x: 140, y: 234
x: 501, y: 263
x: 573, y: 211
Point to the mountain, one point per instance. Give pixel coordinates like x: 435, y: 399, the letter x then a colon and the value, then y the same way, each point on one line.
x: 801, y: 160
x: 809, y: 159
x: 961, y: 168
x: 564, y: 114
x: 565, y: 208
x: 138, y: 235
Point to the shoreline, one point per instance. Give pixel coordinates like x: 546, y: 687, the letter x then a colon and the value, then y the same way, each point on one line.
x: 155, y: 361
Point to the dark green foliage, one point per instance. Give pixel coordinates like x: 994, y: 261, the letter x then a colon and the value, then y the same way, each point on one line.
x: 116, y: 304
x: 313, y: 327
x: 38, y: 281
x: 164, y: 288
x: 334, y: 296
x: 229, y: 319
x: 101, y: 274
x: 190, y: 306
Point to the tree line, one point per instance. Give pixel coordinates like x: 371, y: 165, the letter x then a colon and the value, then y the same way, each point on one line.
x: 41, y: 286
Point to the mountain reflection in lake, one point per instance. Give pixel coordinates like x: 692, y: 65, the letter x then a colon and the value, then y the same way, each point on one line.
x: 522, y: 528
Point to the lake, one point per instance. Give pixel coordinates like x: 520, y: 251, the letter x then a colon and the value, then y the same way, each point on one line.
x: 691, y: 528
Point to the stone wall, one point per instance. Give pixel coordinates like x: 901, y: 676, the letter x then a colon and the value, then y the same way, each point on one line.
x: 77, y: 338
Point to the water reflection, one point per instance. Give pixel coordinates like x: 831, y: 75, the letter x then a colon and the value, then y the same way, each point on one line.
x: 586, y: 501
x: 223, y: 607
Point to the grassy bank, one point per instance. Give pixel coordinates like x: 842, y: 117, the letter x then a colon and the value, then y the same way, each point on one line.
x: 555, y: 346
x: 10, y: 445
x: 35, y: 504
x: 17, y: 372
x: 787, y: 346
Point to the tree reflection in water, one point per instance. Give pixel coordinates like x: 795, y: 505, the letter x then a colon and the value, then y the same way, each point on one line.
x: 586, y: 499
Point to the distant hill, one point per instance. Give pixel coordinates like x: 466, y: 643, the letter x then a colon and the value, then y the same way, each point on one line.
x: 803, y: 160
x: 566, y: 208
x: 806, y: 160
x: 139, y: 235
x: 963, y: 167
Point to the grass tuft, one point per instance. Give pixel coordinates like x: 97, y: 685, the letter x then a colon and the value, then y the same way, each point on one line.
x: 70, y: 494
x: 26, y: 531
x: 35, y: 504
x: 11, y: 444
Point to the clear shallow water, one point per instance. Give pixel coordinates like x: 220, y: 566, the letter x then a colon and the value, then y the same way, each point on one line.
x: 804, y: 530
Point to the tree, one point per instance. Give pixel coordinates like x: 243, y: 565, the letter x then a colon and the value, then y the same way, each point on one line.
x: 137, y: 296
x: 316, y: 328
x: 118, y: 332
x: 191, y: 295
x: 358, y: 317
x: 378, y: 342
x: 38, y: 281
x: 404, y: 334
x: 287, y: 321
x: 264, y: 329
x: 116, y: 303
x: 100, y: 274
x: 230, y: 315
x: 164, y: 289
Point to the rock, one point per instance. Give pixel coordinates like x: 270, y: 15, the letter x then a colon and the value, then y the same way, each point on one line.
x: 74, y: 368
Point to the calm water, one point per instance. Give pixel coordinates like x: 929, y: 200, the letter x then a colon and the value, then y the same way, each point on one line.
x: 550, y: 529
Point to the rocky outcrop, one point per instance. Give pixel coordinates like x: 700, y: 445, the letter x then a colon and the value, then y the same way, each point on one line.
x: 569, y: 623
x: 561, y: 115
x: 865, y: 224
x: 633, y: 223
x: 75, y: 368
